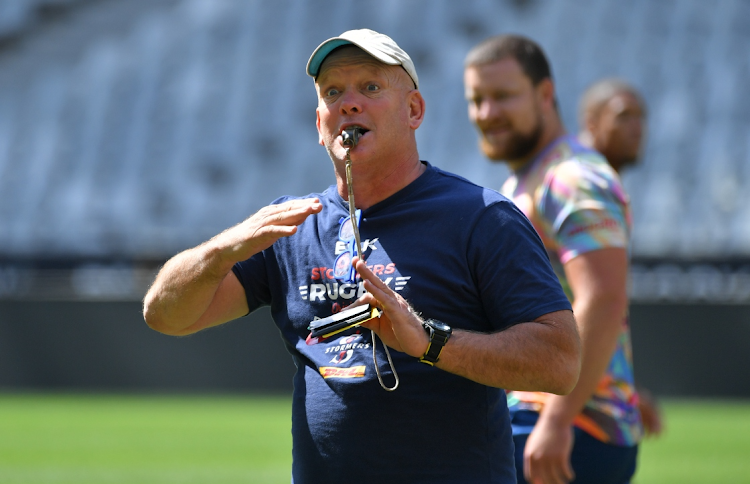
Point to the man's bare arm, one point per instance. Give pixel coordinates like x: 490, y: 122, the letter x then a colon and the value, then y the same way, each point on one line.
x: 541, y: 355
x: 196, y: 288
x: 598, y: 280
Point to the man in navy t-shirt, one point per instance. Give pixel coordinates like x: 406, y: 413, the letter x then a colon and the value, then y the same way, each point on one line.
x: 469, y: 302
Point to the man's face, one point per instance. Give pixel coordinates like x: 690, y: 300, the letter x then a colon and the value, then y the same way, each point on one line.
x: 618, y: 129
x: 505, y: 107
x: 354, y: 89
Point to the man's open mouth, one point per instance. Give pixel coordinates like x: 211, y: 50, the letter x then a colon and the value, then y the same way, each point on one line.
x: 357, y: 127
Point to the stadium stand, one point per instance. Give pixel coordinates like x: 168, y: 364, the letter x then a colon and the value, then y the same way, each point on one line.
x: 131, y: 129
x: 18, y: 15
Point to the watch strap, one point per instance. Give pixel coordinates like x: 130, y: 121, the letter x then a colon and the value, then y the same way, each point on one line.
x: 438, y: 339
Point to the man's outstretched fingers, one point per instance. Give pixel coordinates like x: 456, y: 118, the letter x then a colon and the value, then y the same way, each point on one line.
x: 367, y: 275
x: 399, y: 327
x: 293, y: 212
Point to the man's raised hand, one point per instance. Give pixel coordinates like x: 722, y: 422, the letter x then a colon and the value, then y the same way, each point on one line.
x: 266, y: 226
x: 398, y: 326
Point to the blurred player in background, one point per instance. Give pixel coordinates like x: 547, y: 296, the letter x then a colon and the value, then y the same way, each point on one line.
x: 612, y: 116
x: 577, y: 204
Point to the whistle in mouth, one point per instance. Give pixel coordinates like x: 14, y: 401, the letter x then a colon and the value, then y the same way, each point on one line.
x: 350, y: 136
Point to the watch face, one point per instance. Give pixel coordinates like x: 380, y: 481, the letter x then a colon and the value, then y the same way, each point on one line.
x: 439, y: 325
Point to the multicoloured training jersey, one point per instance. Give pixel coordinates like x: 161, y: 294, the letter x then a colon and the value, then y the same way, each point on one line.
x: 577, y: 204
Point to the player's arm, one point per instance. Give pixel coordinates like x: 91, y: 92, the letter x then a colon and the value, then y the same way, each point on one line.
x: 598, y: 280
x: 651, y: 415
x: 196, y: 289
x: 543, y: 354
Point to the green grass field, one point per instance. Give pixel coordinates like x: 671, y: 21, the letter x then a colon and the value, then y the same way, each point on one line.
x: 144, y: 439
x: 704, y: 442
x: 102, y: 439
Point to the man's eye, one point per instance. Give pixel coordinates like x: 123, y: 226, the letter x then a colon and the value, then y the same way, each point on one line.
x: 332, y: 92
x: 476, y: 102
x: 373, y: 87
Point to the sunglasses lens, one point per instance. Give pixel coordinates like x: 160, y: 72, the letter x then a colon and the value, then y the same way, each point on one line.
x: 346, y: 232
x: 343, y: 270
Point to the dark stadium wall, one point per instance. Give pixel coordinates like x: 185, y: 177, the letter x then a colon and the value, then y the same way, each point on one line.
x: 106, y: 346
x: 679, y: 350
x: 696, y: 350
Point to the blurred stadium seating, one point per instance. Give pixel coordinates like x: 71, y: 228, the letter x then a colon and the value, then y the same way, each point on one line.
x: 131, y: 129
x: 18, y: 15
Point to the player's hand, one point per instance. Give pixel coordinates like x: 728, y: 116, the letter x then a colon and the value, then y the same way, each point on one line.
x: 399, y: 327
x: 546, y: 457
x: 653, y: 423
x: 266, y: 226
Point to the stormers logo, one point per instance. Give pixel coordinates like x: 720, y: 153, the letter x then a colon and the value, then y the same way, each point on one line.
x: 343, y: 349
x: 342, y: 357
x: 345, y: 354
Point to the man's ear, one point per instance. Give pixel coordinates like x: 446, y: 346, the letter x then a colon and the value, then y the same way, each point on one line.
x: 546, y: 92
x: 416, y: 109
x: 317, y: 125
x: 592, y: 125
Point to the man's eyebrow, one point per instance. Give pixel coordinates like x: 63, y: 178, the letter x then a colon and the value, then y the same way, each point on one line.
x: 321, y: 78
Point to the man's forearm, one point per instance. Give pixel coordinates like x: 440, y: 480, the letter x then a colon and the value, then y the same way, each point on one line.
x: 542, y: 355
x: 196, y: 290
x: 600, y: 324
x: 184, y: 289
x: 598, y: 280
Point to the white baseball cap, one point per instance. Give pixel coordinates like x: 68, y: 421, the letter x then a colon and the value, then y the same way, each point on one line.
x: 378, y: 45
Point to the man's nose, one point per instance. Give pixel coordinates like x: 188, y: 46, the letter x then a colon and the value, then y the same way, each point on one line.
x: 636, y: 128
x: 487, y: 109
x: 639, y: 127
x: 351, y: 102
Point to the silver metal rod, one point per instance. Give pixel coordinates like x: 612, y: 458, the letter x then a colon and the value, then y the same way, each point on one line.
x: 352, y: 207
x: 350, y: 139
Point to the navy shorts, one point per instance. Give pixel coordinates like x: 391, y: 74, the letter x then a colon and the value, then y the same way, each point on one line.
x: 593, y: 461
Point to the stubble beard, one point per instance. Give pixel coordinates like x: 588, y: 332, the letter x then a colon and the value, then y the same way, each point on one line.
x: 619, y: 157
x: 519, y: 145
x: 625, y: 162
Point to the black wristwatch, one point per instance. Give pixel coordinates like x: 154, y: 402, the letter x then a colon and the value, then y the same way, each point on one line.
x: 439, y: 334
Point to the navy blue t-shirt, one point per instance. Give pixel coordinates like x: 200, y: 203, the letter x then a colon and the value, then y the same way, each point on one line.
x: 458, y: 253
